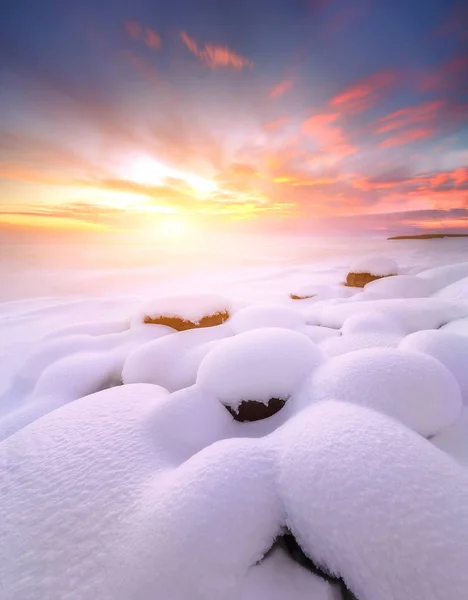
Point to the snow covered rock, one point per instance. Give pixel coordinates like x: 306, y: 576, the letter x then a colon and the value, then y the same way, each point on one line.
x: 185, y: 311
x: 370, y: 322
x: 458, y: 289
x: 369, y: 269
x: 321, y: 292
x: 441, y: 277
x: 172, y: 361
x: 451, y: 349
x: 335, y: 346
x: 254, y: 373
x: 258, y: 316
x: 398, y: 286
x: 413, y: 388
x: 372, y: 502
x: 459, y: 326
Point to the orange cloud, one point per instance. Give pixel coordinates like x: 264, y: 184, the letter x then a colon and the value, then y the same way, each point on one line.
x: 363, y: 94
x: 281, y: 88
x: 215, y: 56
x: 328, y: 135
x: 145, y: 34
x: 427, y: 111
x: 276, y: 124
x: 406, y: 137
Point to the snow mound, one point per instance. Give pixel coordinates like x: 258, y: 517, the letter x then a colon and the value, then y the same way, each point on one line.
x: 413, y: 388
x: 414, y: 313
x: 322, y: 292
x: 172, y: 361
x: 459, y: 326
x: 185, y: 311
x: 454, y: 439
x: 379, y: 266
x: 359, y: 341
x: 258, y: 366
x: 371, y: 322
x: 441, y: 277
x: 352, y: 481
x: 399, y: 286
x: 259, y: 316
x: 317, y: 334
x: 451, y: 349
x: 93, y: 328
x: 458, y: 289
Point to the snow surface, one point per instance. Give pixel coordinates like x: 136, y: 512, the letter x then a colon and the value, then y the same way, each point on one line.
x: 451, y: 349
x: 380, y: 266
x: 258, y: 365
x: 107, y: 495
x: 413, y: 388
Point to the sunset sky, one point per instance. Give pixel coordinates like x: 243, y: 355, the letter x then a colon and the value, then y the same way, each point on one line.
x: 283, y: 115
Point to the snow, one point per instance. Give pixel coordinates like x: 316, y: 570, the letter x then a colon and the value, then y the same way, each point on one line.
x: 189, y: 307
x: 398, y: 286
x: 380, y: 266
x: 266, y: 315
x: 443, y: 276
x: 458, y: 289
x: 258, y: 365
x: 375, y: 503
x: 413, y: 313
x: 172, y: 361
x: 124, y: 476
x: 413, y: 388
x: 451, y: 349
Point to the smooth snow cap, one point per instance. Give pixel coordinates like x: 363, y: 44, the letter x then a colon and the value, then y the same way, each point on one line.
x: 380, y: 266
x: 372, y: 321
x: 413, y: 388
x: 398, y: 286
x: 451, y: 349
x: 258, y: 365
x: 458, y: 289
x: 359, y: 341
x: 442, y: 277
x: 259, y: 316
x: 375, y: 503
x: 172, y: 361
x: 323, y: 292
x: 189, y: 307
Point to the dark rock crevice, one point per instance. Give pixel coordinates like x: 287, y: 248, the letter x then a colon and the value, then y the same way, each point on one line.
x: 252, y: 410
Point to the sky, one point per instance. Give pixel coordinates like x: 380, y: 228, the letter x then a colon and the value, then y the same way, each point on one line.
x: 322, y: 116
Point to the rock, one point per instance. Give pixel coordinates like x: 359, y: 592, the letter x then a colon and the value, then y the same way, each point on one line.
x: 251, y: 410
x: 295, y: 297
x: 180, y: 324
x: 361, y: 279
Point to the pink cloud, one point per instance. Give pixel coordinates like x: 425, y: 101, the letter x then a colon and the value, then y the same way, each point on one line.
x: 215, y: 56
x: 363, y: 94
x: 426, y: 111
x: 406, y: 137
x: 281, y: 88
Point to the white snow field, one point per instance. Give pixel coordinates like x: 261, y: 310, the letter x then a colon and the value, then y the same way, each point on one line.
x: 302, y: 449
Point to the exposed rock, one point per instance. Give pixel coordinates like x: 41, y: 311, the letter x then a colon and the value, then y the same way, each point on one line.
x: 180, y: 324
x: 295, y: 297
x: 251, y: 410
x: 361, y: 279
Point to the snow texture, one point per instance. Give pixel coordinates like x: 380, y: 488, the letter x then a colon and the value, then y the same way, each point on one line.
x: 172, y: 361
x: 355, y: 483
x: 380, y: 266
x: 451, y: 349
x: 458, y: 289
x: 413, y: 388
x: 399, y: 286
x: 441, y: 277
x: 258, y: 365
x: 259, y: 316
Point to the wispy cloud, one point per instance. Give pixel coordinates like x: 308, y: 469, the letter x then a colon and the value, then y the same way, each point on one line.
x: 426, y: 111
x: 328, y: 134
x: 406, y: 137
x: 147, y: 35
x: 281, y: 88
x: 214, y: 56
x: 363, y: 94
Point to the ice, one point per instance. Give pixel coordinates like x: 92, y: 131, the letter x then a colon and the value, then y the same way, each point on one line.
x: 375, y: 503
x: 413, y: 388
x: 380, y: 266
x: 258, y: 365
x: 451, y: 349
x: 399, y: 286
x: 172, y: 361
x: 258, y: 316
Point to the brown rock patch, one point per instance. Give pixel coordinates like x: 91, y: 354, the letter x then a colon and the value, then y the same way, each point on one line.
x: 295, y: 297
x: 361, y: 279
x: 183, y: 324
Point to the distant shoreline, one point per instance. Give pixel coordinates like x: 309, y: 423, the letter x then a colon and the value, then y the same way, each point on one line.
x: 427, y: 236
